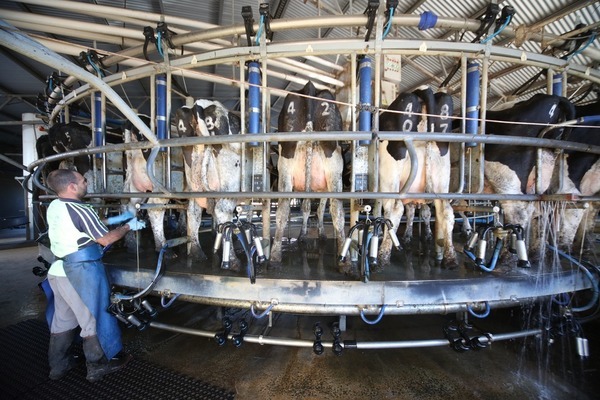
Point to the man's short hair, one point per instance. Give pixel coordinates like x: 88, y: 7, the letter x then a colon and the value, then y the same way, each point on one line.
x: 59, y: 179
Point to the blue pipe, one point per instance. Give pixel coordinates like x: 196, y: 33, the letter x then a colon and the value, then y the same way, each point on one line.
x: 473, y: 75
x: 161, y: 108
x: 376, y: 320
x: 590, y: 119
x: 485, y: 313
x: 586, y: 272
x: 98, y: 125
x: 557, y: 84
x: 254, y: 99
x: 365, y: 72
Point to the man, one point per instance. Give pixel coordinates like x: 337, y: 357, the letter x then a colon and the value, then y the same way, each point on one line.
x: 79, y: 281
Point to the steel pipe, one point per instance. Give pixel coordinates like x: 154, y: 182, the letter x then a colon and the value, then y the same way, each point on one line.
x: 11, y: 38
x: 360, y: 345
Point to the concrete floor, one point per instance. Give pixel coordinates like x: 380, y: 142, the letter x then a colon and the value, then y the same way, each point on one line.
x: 515, y: 369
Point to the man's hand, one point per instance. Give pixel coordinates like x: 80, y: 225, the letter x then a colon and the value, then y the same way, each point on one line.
x: 119, y: 218
x: 135, y: 224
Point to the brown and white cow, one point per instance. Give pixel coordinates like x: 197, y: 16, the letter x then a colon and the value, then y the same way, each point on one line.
x: 433, y: 166
x: 210, y: 167
x: 309, y: 166
x: 138, y: 181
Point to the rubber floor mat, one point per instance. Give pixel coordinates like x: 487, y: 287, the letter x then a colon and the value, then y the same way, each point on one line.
x: 24, y: 374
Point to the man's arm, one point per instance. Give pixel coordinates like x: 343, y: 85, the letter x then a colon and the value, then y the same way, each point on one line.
x: 113, y: 236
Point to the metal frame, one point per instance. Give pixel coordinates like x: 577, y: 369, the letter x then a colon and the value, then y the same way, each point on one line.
x: 329, y: 297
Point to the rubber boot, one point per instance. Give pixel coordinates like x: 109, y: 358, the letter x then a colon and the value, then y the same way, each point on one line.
x: 96, y: 362
x: 59, y: 355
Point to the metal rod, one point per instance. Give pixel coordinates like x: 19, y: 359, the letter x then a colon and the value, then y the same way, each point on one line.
x: 360, y: 345
x: 331, y: 135
x: 338, y: 195
x: 13, y: 39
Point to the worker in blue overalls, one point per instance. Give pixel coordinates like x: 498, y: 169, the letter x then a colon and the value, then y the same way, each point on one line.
x: 79, y: 281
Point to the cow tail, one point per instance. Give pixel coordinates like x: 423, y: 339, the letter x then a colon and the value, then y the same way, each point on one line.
x: 426, y: 95
x: 427, y: 167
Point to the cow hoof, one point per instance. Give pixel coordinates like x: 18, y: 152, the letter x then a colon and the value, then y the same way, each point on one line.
x: 345, y: 266
x: 234, y: 266
x: 197, y: 256
x: 382, y: 262
x: 450, y: 264
x: 507, y: 258
x: 168, y: 254
x: 377, y: 267
x: 275, y: 265
x: 349, y: 270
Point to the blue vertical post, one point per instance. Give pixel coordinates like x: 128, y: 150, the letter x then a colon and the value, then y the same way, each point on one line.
x: 98, y: 122
x: 473, y: 75
x: 161, y: 108
x: 557, y: 84
x: 254, y: 99
x: 365, y: 74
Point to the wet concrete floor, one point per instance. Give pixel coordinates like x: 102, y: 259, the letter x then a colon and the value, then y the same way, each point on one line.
x: 513, y: 369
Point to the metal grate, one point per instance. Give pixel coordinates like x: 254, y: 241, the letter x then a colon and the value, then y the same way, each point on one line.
x: 24, y: 366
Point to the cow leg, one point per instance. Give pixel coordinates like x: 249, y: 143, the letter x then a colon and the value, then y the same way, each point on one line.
x: 569, y: 222
x: 425, y: 213
x: 320, y: 216
x: 337, y: 216
x: 444, y: 224
x: 156, y: 217
x: 585, y: 232
x: 334, y: 166
x: 131, y: 239
x: 305, y: 216
x: 392, y: 210
x: 281, y: 219
x: 410, y: 219
x: 194, y: 219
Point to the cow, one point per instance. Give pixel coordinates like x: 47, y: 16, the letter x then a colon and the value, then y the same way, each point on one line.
x: 512, y: 169
x: 68, y: 137
x: 65, y: 137
x: 138, y: 181
x: 307, y: 165
x: 44, y: 149
x: 210, y: 167
x: 433, y: 163
x: 581, y: 176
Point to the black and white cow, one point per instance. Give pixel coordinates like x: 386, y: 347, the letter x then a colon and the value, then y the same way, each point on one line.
x: 210, y: 167
x: 68, y: 137
x: 581, y: 176
x: 512, y: 169
x: 44, y: 149
x: 433, y: 163
x: 309, y: 166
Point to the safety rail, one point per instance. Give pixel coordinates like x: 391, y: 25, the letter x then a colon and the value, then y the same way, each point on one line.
x: 340, y: 136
